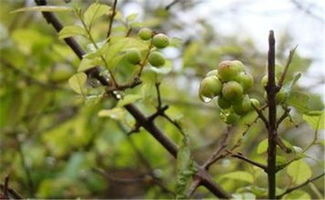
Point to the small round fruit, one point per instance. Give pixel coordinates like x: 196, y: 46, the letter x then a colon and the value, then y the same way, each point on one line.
x: 223, y: 103
x: 210, y: 87
x: 280, y: 97
x: 160, y: 41
x: 228, y: 70
x: 255, y: 102
x: 133, y: 56
x: 243, y: 107
x: 232, y: 118
x: 246, y: 80
x: 232, y: 91
x: 264, y: 80
x: 145, y: 33
x: 212, y: 73
x: 156, y: 59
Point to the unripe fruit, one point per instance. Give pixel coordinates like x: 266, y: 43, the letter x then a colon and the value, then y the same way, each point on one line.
x: 133, y: 56
x: 145, y: 33
x: 228, y: 70
x: 156, y: 59
x: 232, y: 91
x: 212, y: 73
x: 232, y: 118
x: 210, y: 87
x: 160, y: 41
x: 243, y: 107
x: 255, y: 102
x: 264, y: 80
x: 223, y: 103
x: 280, y: 97
x: 246, y: 80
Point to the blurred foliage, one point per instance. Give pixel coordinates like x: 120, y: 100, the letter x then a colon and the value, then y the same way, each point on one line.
x: 54, y: 145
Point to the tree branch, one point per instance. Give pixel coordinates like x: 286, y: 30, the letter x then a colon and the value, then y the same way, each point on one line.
x: 300, y: 186
x: 141, y: 119
x: 244, y: 158
x: 111, y: 19
x: 283, y: 76
x: 271, y: 90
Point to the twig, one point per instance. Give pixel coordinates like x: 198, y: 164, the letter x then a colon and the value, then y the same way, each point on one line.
x: 111, y: 19
x: 282, y: 146
x: 283, y: 117
x: 171, y: 4
x: 261, y: 116
x: 315, y: 138
x: 283, y: 76
x: 244, y: 158
x: 271, y: 90
x: 300, y: 185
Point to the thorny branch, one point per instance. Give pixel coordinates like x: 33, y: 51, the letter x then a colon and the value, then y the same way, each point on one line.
x: 142, y: 120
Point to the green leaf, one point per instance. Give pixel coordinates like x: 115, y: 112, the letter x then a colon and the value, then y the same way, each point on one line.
x: 299, y: 101
x: 288, y: 87
x: 88, y: 63
x: 243, y: 196
x: 239, y: 175
x: 70, y: 31
x: 298, y: 194
x: 299, y: 171
x: 77, y: 82
x: 262, y: 146
x: 116, y: 113
x: 94, y: 11
x: 43, y: 9
x: 128, y: 99
x: 317, y: 122
x: 185, y: 169
x: 132, y: 17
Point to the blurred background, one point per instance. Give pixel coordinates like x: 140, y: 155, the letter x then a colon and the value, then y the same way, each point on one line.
x: 53, y: 146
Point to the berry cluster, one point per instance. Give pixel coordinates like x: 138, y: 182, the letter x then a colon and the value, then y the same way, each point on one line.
x: 155, y: 58
x: 230, y: 83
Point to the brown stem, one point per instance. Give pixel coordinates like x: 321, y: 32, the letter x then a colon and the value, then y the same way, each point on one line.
x: 244, y: 158
x: 300, y: 185
x: 111, y: 19
x: 283, y: 76
x: 271, y: 90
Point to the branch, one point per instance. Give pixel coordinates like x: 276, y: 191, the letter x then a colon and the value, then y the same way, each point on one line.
x: 283, y: 117
x: 283, y: 76
x: 111, y: 19
x: 271, y: 90
x: 244, y: 158
x: 261, y: 116
x: 142, y: 120
x: 300, y: 186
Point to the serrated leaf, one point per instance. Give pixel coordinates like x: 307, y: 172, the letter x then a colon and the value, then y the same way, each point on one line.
x: 94, y: 11
x: 299, y: 171
x: 185, y: 169
x: 116, y: 113
x: 44, y: 9
x: 70, y: 31
x: 77, y: 82
x: 317, y: 122
x: 128, y: 99
x: 298, y: 194
x: 262, y: 146
x: 240, y: 176
x: 88, y: 63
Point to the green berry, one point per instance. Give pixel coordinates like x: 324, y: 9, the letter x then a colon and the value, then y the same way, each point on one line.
x: 280, y: 97
x: 264, y: 81
x: 232, y: 118
x: 210, y: 87
x: 246, y: 80
x: 228, y: 70
x: 212, y: 73
x: 133, y: 56
x: 255, y: 102
x: 160, y: 41
x: 223, y: 103
x: 243, y: 107
x: 156, y: 59
x: 232, y: 91
x: 145, y: 33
